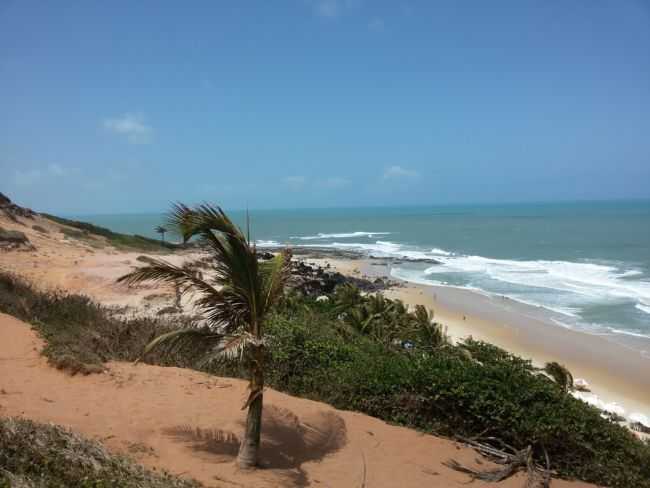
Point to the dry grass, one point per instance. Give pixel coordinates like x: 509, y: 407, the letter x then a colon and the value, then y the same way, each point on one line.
x: 34, y: 455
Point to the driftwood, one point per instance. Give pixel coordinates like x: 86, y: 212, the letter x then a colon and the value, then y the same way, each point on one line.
x: 510, y: 460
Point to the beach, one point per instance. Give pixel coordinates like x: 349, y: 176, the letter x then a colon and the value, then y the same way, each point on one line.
x: 145, y: 410
x: 616, y: 372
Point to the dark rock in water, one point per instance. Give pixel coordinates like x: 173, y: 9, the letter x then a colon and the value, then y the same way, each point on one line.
x: 13, y: 239
x: 264, y: 256
x: 14, y: 211
x: 379, y: 260
x: 316, y: 280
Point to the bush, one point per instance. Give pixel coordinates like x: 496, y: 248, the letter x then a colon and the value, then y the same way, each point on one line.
x: 80, y: 334
x: 40, y: 229
x: 80, y: 230
x: 473, y: 389
x: 487, y: 392
x: 34, y: 455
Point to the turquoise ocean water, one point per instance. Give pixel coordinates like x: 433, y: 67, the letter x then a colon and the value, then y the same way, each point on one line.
x: 588, y: 263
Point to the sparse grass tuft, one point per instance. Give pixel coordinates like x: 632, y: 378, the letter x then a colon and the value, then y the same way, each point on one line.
x: 40, y: 229
x: 80, y: 334
x: 34, y: 455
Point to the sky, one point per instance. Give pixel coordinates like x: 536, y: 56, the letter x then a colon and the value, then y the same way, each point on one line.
x: 122, y: 106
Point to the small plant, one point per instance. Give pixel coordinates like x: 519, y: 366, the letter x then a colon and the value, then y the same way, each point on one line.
x: 161, y: 230
x: 560, y: 374
x: 40, y: 229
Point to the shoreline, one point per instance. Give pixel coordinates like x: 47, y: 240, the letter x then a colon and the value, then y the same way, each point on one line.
x: 91, y: 266
x: 614, y: 371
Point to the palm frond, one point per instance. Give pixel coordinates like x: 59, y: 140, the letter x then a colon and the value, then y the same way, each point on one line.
x: 200, y: 220
x: 423, y: 316
x: 231, y: 348
x: 234, y: 297
x: 163, y: 272
x: 275, y: 274
x: 188, y: 338
x: 236, y: 267
x: 560, y: 374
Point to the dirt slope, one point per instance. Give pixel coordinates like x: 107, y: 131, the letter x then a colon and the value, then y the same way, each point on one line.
x: 183, y: 421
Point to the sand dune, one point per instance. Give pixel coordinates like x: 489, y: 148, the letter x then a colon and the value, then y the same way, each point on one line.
x: 187, y: 422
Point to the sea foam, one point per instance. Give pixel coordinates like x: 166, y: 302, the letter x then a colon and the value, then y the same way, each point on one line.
x: 342, y: 235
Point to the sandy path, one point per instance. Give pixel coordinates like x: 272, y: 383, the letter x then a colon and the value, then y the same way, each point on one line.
x: 166, y: 418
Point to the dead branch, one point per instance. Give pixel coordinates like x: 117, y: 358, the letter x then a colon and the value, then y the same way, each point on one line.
x: 511, y: 461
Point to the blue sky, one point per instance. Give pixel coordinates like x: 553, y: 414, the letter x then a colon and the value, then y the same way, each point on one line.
x: 124, y: 106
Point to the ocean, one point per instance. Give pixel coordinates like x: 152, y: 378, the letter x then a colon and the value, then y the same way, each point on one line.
x: 586, y: 263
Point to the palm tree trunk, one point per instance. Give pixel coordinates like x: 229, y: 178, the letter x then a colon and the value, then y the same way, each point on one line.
x: 249, y: 449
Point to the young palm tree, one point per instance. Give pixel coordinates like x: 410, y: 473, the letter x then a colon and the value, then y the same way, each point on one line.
x: 560, y: 374
x: 235, y: 299
x: 161, y: 230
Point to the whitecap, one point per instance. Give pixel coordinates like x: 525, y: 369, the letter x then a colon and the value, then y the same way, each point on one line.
x: 643, y: 307
x: 640, y: 418
x: 267, y: 243
x: 614, y: 408
x: 341, y: 235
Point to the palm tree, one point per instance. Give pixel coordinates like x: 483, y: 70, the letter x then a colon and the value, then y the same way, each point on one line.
x: 161, y: 230
x: 235, y: 300
x: 560, y: 374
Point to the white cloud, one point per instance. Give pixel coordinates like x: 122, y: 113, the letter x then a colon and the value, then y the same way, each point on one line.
x: 336, y: 182
x: 397, y: 171
x: 132, y: 126
x: 376, y: 24
x: 295, y: 182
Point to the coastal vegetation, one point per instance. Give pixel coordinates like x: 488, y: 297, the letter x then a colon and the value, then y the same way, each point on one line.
x: 162, y: 231
x: 82, y: 230
x: 34, y: 455
x: 472, y: 390
x: 235, y: 301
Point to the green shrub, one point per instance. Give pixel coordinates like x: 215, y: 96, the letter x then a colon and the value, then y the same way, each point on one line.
x: 466, y: 390
x: 82, y: 230
x: 80, y: 334
x: 488, y: 392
